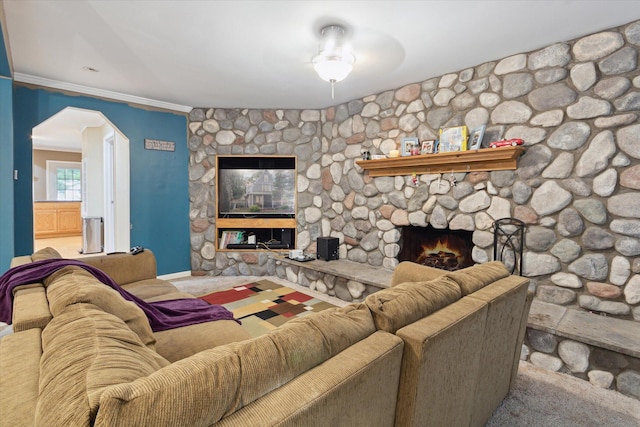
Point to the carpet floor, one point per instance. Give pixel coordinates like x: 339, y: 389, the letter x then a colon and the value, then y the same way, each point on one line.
x: 539, y: 398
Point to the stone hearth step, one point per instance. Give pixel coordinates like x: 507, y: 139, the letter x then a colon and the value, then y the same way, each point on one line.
x: 613, y: 334
x: 378, y: 277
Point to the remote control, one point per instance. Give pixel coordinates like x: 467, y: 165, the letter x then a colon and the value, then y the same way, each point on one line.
x: 136, y: 250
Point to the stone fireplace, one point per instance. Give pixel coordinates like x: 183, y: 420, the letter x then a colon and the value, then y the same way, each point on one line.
x: 445, y: 249
x: 576, y: 105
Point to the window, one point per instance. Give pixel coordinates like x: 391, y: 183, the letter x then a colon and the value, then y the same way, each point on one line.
x: 64, y: 181
x: 67, y: 184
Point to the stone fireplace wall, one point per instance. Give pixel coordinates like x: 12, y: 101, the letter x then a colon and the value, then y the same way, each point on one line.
x: 575, y: 104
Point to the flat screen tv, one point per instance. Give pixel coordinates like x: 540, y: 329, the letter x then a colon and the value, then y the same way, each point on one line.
x: 250, y: 187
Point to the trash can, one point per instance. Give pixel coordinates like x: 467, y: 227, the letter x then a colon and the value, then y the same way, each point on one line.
x: 91, y: 235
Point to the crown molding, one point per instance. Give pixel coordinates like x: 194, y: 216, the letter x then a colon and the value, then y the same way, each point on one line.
x: 55, y: 84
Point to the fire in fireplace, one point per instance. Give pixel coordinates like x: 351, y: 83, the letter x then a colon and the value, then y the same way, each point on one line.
x: 445, y: 249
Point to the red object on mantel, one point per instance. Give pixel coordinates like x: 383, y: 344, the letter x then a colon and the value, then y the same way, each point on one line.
x: 506, y: 143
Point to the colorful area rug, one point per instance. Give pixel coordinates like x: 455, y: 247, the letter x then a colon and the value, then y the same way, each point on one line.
x: 265, y: 305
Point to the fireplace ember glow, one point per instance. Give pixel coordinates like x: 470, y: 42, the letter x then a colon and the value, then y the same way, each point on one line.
x: 444, y: 249
x: 442, y: 255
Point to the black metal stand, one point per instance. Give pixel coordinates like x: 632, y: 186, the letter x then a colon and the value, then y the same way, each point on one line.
x: 508, y: 243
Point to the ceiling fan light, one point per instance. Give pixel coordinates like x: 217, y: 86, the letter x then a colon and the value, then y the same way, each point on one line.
x: 333, y: 69
x: 334, y: 62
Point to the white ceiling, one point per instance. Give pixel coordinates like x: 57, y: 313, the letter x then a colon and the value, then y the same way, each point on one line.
x: 63, y: 131
x: 256, y: 54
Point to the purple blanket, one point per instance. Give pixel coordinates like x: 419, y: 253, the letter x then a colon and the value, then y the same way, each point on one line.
x: 162, y: 315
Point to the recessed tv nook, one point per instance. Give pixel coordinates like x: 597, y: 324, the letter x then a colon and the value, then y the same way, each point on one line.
x: 255, y: 202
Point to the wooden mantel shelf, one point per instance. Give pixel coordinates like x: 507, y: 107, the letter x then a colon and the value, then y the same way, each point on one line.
x: 486, y: 159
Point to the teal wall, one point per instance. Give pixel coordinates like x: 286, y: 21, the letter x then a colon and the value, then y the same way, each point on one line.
x: 6, y: 158
x: 159, y: 179
x: 5, y: 70
x: 6, y: 173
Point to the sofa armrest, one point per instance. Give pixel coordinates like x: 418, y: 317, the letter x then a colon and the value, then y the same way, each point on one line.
x: 126, y: 268
x: 440, y: 366
x: 411, y: 272
x: 21, y: 260
x: 30, y: 307
x: 501, y: 345
x: 357, y: 387
x: 521, y: 333
x: 20, y: 366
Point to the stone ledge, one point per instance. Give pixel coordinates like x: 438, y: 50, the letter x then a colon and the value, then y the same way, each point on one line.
x: 621, y: 336
x: 366, y: 274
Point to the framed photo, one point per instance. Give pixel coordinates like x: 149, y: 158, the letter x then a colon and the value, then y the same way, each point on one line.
x: 475, y: 138
x: 409, y: 144
x: 453, y: 139
x: 428, y: 146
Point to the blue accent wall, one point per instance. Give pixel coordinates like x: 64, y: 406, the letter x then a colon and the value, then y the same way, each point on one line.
x: 6, y: 157
x: 159, y: 179
x: 6, y: 173
x: 5, y: 70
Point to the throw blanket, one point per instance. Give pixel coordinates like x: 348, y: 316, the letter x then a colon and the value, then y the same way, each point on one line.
x: 162, y: 315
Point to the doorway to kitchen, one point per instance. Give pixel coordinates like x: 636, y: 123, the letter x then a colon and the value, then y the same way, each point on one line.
x: 95, y: 191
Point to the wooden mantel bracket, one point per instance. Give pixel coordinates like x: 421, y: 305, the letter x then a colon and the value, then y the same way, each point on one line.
x: 485, y: 159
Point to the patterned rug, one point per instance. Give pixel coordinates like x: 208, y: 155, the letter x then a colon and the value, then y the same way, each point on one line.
x: 264, y: 305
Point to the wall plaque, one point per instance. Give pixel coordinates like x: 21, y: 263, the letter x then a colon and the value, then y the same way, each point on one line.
x: 155, y: 144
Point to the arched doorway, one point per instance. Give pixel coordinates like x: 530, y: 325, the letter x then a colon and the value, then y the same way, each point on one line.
x: 97, y: 182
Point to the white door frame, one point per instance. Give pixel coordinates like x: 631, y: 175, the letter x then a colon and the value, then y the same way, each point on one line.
x: 79, y: 120
x: 121, y: 190
x: 109, y: 198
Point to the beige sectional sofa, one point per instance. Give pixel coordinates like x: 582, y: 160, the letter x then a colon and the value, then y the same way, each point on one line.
x: 437, y: 348
x: 460, y: 361
x: 137, y: 275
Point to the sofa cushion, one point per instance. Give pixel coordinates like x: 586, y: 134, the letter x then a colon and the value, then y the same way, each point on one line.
x: 178, y: 343
x: 325, y: 334
x: 217, y: 382
x: 45, y: 253
x: 126, y: 268
x: 408, y: 271
x: 340, y: 327
x: 471, y: 279
x: 86, y: 350
x: 407, y: 302
x: 30, y: 307
x: 73, y: 285
x: 151, y: 289
x: 169, y: 296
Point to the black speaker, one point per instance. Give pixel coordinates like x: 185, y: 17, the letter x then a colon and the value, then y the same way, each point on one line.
x: 327, y: 248
x: 287, y: 238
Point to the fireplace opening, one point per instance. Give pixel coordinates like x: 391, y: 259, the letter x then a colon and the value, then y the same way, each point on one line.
x: 445, y: 249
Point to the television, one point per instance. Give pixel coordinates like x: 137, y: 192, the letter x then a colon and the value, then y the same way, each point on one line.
x: 251, y: 187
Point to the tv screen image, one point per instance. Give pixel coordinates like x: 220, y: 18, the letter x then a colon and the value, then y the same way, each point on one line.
x: 256, y: 192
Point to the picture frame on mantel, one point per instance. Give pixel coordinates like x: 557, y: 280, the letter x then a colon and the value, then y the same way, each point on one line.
x: 428, y: 146
x: 475, y: 137
x: 408, y: 144
x: 453, y: 139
